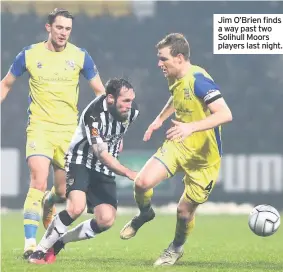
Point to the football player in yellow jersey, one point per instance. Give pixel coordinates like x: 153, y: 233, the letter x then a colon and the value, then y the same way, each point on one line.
x: 54, y: 67
x: 192, y: 145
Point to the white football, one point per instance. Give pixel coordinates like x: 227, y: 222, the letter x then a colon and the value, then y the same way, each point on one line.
x: 264, y: 220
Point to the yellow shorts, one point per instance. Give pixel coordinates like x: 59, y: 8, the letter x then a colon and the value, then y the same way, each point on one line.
x: 51, y: 144
x: 199, y: 180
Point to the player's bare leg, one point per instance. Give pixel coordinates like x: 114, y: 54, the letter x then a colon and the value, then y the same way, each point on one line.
x: 151, y: 174
x: 75, y: 206
x: 104, y: 218
x: 56, y: 195
x: 39, y: 170
x: 185, y: 224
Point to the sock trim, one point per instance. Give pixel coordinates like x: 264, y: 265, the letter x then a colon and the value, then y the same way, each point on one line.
x: 65, y: 218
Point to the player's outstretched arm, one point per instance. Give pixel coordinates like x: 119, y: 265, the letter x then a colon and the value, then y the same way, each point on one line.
x: 6, y: 85
x: 166, y: 112
x: 101, y: 152
x: 97, y: 85
x: 220, y: 114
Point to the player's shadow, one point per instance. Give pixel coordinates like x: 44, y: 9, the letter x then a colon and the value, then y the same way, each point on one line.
x: 256, y: 265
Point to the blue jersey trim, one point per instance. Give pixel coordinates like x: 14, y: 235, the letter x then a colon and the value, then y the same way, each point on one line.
x: 218, y: 140
x: 89, y: 70
x: 203, y: 85
x: 18, y: 67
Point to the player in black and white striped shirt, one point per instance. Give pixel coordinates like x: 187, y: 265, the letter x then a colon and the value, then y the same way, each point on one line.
x: 91, y: 165
x: 100, y: 122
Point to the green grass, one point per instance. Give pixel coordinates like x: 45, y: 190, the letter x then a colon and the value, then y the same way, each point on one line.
x: 218, y: 243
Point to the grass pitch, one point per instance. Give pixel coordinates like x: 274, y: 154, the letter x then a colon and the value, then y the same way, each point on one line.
x: 218, y: 243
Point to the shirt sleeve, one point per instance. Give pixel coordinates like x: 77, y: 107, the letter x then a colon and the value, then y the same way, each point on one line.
x: 89, y: 70
x: 134, y: 112
x: 93, y: 127
x: 18, y: 67
x: 206, y: 89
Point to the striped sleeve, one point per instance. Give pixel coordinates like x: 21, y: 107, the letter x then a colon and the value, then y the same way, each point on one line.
x: 134, y: 112
x: 93, y: 127
x: 206, y: 89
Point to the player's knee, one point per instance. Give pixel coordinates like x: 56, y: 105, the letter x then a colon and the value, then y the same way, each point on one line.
x: 183, y: 213
x: 39, y: 170
x: 75, y: 210
x: 105, y: 221
x: 142, y: 184
x: 60, y: 196
x: 38, y: 182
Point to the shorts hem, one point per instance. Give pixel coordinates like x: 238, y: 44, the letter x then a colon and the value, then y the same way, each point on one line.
x: 197, y: 202
x: 57, y: 164
x: 90, y: 209
x: 39, y: 155
x: 170, y: 173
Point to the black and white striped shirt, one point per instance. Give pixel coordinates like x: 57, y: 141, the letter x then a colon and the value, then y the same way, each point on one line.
x: 98, y: 125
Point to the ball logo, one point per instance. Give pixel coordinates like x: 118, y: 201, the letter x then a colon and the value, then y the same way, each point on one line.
x: 39, y: 65
x: 163, y: 151
x: 187, y: 95
x: 32, y: 145
x: 94, y: 132
x: 71, y: 64
x: 126, y: 123
x: 70, y: 181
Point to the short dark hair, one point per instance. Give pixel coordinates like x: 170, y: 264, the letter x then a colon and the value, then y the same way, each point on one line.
x: 178, y: 44
x: 114, y: 85
x: 58, y: 12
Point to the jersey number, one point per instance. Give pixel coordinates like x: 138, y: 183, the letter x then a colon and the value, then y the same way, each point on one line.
x: 209, y: 186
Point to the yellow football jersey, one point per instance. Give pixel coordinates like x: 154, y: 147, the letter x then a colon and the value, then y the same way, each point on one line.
x: 191, y: 95
x: 54, y: 83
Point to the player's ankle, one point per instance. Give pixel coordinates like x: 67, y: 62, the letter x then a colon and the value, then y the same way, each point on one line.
x: 41, y: 248
x: 145, y: 209
x: 30, y: 242
x: 176, y: 247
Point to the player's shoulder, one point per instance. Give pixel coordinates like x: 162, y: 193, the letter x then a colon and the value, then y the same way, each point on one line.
x: 77, y: 49
x: 96, y: 106
x: 203, y: 84
x: 31, y: 47
x: 200, y: 74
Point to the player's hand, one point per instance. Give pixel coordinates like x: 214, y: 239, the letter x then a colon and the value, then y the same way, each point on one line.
x: 156, y: 124
x: 131, y: 174
x: 180, y: 131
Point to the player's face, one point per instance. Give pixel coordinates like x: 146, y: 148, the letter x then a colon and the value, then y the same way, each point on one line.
x: 59, y: 31
x: 169, y: 65
x: 123, y: 104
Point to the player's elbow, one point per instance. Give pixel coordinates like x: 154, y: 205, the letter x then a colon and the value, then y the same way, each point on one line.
x: 229, y: 116
x: 104, y: 157
x: 121, y: 147
x: 5, y: 88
